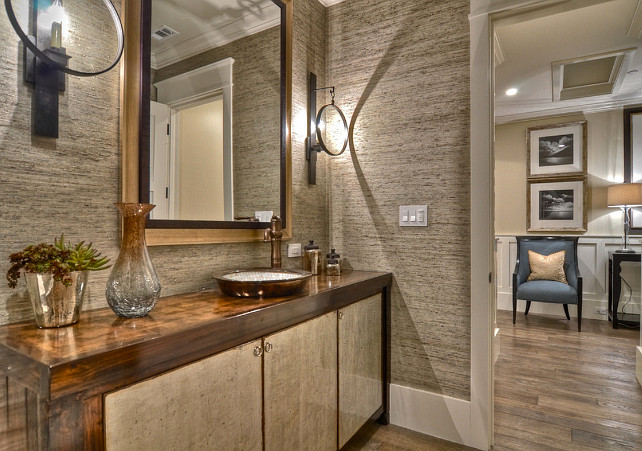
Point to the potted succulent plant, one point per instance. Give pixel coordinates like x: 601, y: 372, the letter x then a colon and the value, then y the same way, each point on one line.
x: 56, y: 276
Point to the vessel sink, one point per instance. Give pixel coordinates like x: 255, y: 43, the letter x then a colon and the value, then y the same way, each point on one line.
x: 262, y: 282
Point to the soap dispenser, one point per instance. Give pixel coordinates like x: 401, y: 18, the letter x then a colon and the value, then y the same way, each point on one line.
x: 332, y: 265
x: 312, y: 258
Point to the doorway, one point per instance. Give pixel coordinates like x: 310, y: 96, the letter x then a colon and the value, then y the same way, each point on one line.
x: 514, y: 114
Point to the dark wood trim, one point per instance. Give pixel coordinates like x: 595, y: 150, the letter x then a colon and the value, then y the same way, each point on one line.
x: 93, y: 426
x: 386, y: 309
x: 628, y: 152
x: 144, y: 131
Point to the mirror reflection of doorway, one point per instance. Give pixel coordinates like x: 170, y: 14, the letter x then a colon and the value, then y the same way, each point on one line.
x: 187, y: 163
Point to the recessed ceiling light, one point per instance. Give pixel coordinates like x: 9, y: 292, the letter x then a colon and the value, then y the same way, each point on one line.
x: 511, y: 91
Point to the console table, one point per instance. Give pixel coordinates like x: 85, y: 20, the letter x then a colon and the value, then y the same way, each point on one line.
x: 615, y: 286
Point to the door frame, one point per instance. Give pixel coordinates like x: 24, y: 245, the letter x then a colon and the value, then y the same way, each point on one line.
x: 482, y: 204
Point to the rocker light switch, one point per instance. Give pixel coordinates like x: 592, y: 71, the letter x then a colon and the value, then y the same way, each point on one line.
x: 413, y: 215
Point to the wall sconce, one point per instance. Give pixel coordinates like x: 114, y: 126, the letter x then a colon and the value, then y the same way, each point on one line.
x: 328, y: 125
x: 46, y: 60
x: 625, y: 196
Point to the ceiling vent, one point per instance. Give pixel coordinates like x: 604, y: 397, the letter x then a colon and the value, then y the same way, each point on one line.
x: 164, y: 32
x: 592, y: 75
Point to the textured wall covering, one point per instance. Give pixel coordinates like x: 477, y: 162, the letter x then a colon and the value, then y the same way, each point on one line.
x: 402, y: 75
x: 255, y: 127
x: 68, y: 185
x: 50, y: 186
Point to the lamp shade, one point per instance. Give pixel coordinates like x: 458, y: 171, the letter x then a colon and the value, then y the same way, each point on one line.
x: 624, y: 194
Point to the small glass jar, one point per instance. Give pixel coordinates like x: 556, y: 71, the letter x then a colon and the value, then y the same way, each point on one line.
x: 332, y: 268
x: 312, y: 258
x: 332, y: 265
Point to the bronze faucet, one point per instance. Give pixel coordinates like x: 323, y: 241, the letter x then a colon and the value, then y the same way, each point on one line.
x: 274, y: 235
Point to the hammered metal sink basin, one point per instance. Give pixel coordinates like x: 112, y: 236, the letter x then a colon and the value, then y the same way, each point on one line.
x: 262, y: 282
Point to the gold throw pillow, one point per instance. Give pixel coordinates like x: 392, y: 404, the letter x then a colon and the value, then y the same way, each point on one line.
x: 547, y: 267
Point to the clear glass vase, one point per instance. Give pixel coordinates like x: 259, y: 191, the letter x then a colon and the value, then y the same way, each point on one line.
x: 133, y: 286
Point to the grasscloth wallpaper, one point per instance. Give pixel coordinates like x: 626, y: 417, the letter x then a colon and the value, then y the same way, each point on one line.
x: 70, y: 184
x: 402, y: 75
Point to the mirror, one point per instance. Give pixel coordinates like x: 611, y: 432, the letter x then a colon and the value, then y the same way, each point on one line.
x: 233, y: 91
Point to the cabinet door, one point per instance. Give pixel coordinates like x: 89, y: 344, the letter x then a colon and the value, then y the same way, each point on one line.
x: 300, y: 386
x: 212, y: 404
x: 360, y: 371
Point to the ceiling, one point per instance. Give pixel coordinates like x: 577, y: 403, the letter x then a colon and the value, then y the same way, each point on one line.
x: 547, y: 49
x: 206, y: 24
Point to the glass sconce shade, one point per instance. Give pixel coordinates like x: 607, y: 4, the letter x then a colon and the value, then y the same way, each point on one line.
x: 72, y: 28
x: 332, y: 129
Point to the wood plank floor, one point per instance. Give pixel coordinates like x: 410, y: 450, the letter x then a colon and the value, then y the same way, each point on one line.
x: 557, y: 389
x: 389, y: 438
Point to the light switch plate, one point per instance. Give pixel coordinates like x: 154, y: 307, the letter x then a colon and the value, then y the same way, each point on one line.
x: 413, y: 216
x: 294, y: 249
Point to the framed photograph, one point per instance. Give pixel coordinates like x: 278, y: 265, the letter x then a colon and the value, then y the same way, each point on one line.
x: 557, y: 150
x: 556, y: 206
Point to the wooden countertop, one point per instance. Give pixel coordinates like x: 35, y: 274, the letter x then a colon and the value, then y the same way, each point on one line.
x: 103, y: 350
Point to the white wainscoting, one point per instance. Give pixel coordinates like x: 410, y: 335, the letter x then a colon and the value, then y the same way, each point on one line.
x: 592, y: 253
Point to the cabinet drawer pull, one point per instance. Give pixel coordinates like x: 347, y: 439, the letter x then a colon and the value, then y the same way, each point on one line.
x: 268, y: 347
x: 340, y: 315
x: 258, y: 351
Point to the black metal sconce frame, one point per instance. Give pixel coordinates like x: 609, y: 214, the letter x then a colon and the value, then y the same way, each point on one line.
x: 46, y: 62
x: 312, y: 146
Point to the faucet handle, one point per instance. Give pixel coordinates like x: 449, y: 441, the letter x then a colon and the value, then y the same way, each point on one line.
x: 266, y: 235
x: 276, y: 224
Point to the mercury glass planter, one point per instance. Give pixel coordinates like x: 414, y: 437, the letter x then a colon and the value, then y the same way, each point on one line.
x: 55, y: 304
x: 133, y: 286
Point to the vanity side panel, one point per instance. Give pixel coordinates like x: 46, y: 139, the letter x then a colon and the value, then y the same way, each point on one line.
x: 214, y: 403
x: 360, y: 365
x: 19, y: 417
x: 300, y: 386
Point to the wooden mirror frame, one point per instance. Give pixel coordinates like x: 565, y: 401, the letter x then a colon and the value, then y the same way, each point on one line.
x: 132, y: 128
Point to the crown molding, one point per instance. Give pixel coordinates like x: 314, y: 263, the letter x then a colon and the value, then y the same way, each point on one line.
x: 572, y: 109
x: 635, y: 29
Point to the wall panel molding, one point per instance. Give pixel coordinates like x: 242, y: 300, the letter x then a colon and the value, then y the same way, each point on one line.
x: 592, y: 254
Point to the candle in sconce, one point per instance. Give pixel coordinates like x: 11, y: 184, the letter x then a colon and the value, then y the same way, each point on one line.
x: 56, y: 35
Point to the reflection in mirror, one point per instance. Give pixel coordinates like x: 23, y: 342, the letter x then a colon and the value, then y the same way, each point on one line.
x: 215, y: 113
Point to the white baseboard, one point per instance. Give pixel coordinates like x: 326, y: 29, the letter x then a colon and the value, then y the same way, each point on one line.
x: 638, y: 364
x: 431, y: 413
x: 496, y: 346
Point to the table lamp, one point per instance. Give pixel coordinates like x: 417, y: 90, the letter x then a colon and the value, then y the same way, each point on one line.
x: 625, y: 196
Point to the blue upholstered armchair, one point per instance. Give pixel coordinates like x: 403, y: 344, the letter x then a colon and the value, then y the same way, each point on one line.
x: 548, y: 290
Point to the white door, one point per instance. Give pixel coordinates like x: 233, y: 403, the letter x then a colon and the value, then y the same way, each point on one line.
x: 159, y: 187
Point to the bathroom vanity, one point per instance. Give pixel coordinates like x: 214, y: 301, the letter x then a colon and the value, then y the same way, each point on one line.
x: 205, y: 371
